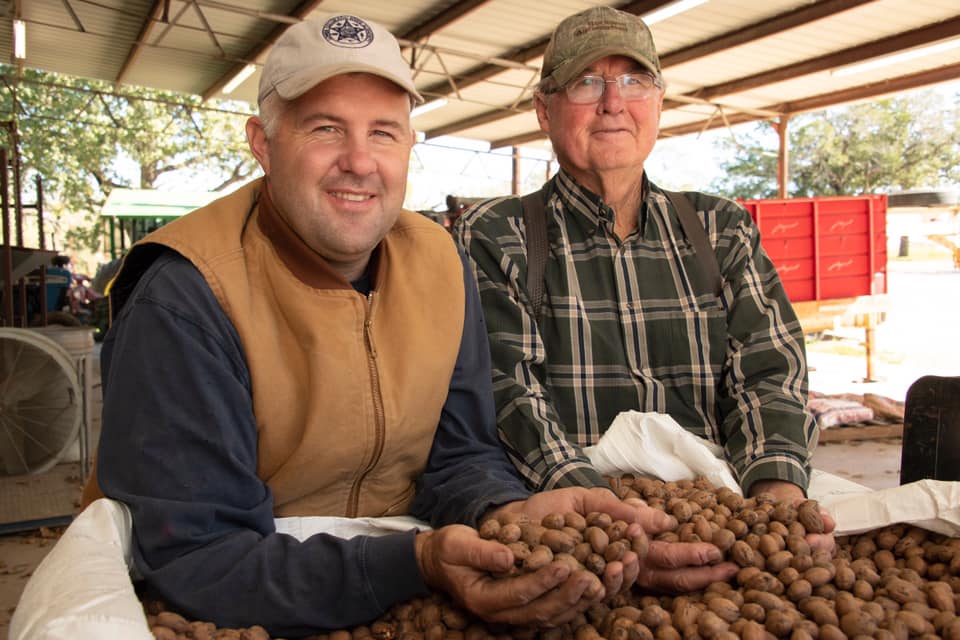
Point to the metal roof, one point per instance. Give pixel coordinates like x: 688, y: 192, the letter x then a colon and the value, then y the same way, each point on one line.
x: 725, y: 61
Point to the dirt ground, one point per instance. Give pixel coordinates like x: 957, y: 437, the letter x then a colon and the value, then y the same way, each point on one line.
x: 919, y: 337
x: 19, y: 556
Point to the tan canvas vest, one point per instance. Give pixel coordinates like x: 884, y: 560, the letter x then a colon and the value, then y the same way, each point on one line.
x: 347, y: 389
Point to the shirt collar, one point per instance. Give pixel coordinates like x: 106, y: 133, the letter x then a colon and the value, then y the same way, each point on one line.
x: 578, y: 198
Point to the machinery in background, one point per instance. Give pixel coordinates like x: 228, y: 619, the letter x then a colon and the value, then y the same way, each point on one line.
x: 68, y: 298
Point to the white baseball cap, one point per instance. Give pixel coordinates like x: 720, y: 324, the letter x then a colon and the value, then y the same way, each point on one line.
x: 328, y: 45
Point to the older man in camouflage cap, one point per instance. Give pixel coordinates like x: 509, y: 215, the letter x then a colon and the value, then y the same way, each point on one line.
x: 639, y: 299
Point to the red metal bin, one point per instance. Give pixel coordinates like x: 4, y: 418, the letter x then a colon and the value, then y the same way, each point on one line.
x: 827, y: 247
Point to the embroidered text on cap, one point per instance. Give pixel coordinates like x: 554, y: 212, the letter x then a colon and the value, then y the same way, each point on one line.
x: 347, y: 31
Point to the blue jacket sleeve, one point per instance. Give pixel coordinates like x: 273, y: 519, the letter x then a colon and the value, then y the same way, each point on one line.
x: 179, y: 447
x: 468, y: 471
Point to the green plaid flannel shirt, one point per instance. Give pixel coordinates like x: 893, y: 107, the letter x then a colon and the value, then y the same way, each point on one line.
x: 623, y: 328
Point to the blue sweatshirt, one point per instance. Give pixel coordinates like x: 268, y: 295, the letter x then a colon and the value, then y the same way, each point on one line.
x: 173, y: 349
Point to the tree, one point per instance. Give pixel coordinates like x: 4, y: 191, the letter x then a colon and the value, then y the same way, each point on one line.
x: 76, y: 133
x: 752, y: 170
x: 906, y: 142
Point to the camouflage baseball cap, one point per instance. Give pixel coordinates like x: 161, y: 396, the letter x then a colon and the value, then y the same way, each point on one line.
x: 595, y: 33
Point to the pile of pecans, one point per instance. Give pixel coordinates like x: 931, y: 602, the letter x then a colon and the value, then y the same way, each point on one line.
x: 169, y: 625
x: 895, y: 583
x: 582, y: 542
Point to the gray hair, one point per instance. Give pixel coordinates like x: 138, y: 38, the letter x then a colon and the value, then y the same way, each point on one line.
x: 546, y: 86
x: 272, y: 109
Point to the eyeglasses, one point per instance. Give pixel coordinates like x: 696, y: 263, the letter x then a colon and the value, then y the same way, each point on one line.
x: 632, y: 86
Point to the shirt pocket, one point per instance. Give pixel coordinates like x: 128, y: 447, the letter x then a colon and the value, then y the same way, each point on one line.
x: 683, y: 346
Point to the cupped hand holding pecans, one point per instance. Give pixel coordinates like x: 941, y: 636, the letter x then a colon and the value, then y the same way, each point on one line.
x: 473, y: 571
x: 558, y: 562
x: 668, y: 567
x: 551, y: 591
x: 618, y: 575
x: 819, y: 540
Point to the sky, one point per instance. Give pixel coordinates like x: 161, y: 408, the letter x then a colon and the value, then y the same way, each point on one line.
x: 688, y: 162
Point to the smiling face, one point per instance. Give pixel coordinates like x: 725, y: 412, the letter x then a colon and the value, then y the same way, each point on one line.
x: 607, y: 140
x: 337, y: 165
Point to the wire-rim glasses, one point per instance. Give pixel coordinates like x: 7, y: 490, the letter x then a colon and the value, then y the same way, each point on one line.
x: 588, y: 89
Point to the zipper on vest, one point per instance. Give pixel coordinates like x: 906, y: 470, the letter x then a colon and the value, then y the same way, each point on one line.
x: 378, y: 414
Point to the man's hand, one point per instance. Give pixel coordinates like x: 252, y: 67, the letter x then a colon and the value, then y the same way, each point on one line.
x: 584, y: 501
x: 788, y: 492
x: 679, y: 567
x: 618, y: 576
x: 671, y: 567
x: 456, y: 560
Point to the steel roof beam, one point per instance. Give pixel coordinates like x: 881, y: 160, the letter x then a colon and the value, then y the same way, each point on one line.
x: 759, y: 30
x: 524, y: 54
x: 478, y: 120
x: 302, y: 10
x: 756, y: 31
x: 883, y: 46
x: 853, y: 94
x: 442, y: 19
x: 145, y: 29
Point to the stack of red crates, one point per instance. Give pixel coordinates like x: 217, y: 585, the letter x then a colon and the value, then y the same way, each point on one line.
x: 825, y: 248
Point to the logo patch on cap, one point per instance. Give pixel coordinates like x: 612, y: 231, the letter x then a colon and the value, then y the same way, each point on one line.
x: 347, y: 31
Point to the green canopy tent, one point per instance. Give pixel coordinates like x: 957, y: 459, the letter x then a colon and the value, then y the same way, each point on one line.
x: 133, y: 213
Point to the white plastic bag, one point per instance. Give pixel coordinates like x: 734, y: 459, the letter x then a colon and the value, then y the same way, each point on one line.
x: 653, y: 444
x: 82, y: 590
x: 928, y: 504
x: 303, y: 528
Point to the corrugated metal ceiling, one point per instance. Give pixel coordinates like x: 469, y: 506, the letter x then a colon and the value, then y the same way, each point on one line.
x: 724, y: 61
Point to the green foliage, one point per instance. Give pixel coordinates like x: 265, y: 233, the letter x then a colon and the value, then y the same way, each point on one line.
x: 73, y: 131
x: 752, y: 171
x: 908, y: 142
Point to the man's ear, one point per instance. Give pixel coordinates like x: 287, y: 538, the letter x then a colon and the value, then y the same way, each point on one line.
x: 543, y: 117
x: 259, y: 145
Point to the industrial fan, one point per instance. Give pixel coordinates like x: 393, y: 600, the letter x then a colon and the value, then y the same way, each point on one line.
x: 41, y: 402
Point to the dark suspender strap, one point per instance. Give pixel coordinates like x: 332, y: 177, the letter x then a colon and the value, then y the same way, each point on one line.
x: 697, y: 236
x: 535, y: 221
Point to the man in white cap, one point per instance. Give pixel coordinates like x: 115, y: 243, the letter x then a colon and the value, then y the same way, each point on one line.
x: 638, y: 299
x: 305, y: 347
